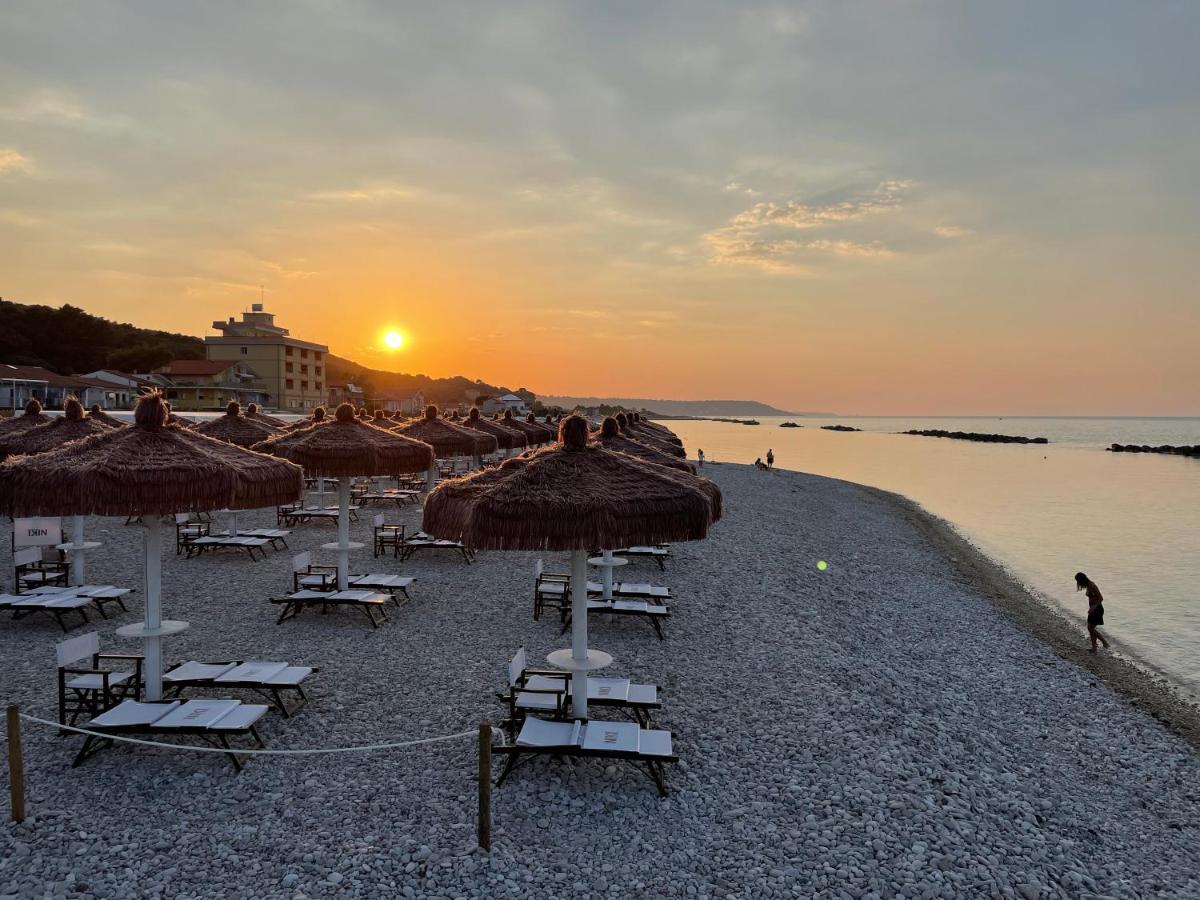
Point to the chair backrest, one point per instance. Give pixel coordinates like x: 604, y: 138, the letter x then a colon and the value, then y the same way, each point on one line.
x: 537, y: 569
x: 82, y: 647
x: 26, y: 557
x: 516, y: 668
x: 181, y: 518
x: 301, y: 561
x: 377, y: 520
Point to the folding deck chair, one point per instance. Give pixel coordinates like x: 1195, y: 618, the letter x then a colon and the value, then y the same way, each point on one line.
x: 214, y: 721
x: 548, y: 691
x: 269, y: 680
x: 30, y: 570
x: 84, y: 686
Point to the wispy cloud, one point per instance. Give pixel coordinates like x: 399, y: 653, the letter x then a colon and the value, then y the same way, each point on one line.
x: 48, y: 106
x: 952, y: 231
x: 372, y: 193
x: 14, y: 161
x: 763, y: 236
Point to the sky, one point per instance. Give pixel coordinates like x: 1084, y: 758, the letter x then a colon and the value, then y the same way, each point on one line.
x: 868, y: 208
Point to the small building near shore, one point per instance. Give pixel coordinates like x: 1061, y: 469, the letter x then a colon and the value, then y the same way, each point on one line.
x: 210, y: 384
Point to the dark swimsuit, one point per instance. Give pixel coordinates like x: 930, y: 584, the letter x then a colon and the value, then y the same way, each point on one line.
x: 1096, y: 615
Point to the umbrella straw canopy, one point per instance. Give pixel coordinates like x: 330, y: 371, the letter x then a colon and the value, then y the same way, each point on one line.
x: 446, y: 438
x: 97, y: 413
x: 572, y: 496
x: 257, y: 415
x: 31, y: 418
x: 506, y: 438
x: 234, y: 428
x: 150, y: 469
x: 318, y: 418
x: 535, y: 434
x: 610, y: 438
x: 649, y: 438
x: 70, y: 426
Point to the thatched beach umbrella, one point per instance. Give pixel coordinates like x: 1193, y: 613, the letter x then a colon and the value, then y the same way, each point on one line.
x: 649, y: 438
x: 550, y: 432
x: 31, y: 418
x: 97, y: 413
x: 148, y: 470
x: 535, y: 434
x: 347, y: 449
x: 234, y: 428
x: 446, y: 438
x: 575, y: 497
x: 640, y: 422
x: 254, y: 414
x: 71, y: 426
x: 506, y: 438
x: 610, y: 437
x: 317, y: 418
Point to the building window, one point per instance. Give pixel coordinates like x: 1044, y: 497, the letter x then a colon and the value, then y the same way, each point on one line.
x: 303, y: 370
x: 304, y: 385
x: 290, y: 384
x: 303, y: 354
x: 317, y: 370
x: 316, y: 354
x: 289, y: 366
x: 243, y: 351
x: 318, y: 385
x: 288, y: 350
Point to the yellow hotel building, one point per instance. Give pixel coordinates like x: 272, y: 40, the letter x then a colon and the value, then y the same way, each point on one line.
x: 293, y: 371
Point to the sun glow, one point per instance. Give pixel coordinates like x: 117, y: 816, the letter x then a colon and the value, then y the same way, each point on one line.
x: 393, y: 340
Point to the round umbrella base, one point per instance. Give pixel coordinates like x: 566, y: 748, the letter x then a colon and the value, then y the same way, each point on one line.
x: 86, y: 545
x: 139, y: 629
x: 352, y: 545
x: 607, y: 563
x: 596, y: 659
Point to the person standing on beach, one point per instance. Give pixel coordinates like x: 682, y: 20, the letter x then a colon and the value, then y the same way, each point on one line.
x: 1095, y: 616
x: 700, y: 457
x: 770, y: 458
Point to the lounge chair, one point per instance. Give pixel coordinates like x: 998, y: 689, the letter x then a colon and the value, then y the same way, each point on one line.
x: 649, y: 748
x: 215, y: 721
x: 654, y: 613
x: 187, y: 530
x: 98, y: 594
x: 276, y: 537
x: 548, y: 691
x: 269, y: 680
x: 633, y: 590
x: 55, y: 605
x: 421, y: 541
x: 213, y: 542
x: 368, y: 601
x: 660, y: 553
x: 84, y: 686
x: 30, y: 570
x: 322, y: 578
x: 551, y: 590
x: 296, y: 514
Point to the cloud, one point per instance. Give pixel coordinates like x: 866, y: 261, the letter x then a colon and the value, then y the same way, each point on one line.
x: 763, y: 236
x: 374, y: 193
x: 14, y: 161
x: 952, y: 231
x: 52, y: 107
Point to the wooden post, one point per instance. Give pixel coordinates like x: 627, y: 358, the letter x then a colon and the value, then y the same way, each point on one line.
x: 485, y: 785
x: 16, y: 766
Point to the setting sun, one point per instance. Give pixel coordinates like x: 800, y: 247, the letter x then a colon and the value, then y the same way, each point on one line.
x: 393, y: 340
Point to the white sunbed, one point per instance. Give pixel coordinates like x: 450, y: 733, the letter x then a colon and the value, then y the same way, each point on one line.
x: 267, y: 679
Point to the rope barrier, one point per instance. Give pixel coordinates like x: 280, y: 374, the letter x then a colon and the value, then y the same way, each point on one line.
x: 318, y: 751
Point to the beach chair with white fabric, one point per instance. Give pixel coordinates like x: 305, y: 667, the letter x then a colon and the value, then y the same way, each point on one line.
x: 214, y: 721
x: 369, y: 602
x: 270, y: 680
x: 548, y: 692
x: 660, y: 553
x: 85, y: 685
x: 32, y: 570
x: 419, y: 540
x: 100, y: 595
x: 649, y: 749
x: 55, y: 605
x: 656, y: 614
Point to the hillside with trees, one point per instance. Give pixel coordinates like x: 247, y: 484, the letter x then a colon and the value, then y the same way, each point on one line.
x: 70, y: 341
x: 376, y: 382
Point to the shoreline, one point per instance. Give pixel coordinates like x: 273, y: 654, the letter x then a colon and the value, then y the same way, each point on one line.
x: 1141, y: 687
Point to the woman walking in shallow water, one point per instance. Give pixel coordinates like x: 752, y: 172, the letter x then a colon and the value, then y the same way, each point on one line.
x: 1095, y: 616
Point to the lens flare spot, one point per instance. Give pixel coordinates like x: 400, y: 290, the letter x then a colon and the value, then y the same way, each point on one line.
x: 822, y: 565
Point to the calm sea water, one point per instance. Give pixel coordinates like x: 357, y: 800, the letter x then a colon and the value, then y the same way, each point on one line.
x: 1131, y: 521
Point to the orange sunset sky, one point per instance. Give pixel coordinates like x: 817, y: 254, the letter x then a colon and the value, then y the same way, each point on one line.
x: 938, y: 208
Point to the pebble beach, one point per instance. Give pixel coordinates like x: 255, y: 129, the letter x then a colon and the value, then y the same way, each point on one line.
x: 887, y: 725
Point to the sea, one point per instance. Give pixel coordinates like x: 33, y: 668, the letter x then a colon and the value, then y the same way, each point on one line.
x: 1044, y: 512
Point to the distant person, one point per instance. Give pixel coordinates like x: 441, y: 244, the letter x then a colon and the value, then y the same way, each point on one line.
x: 700, y: 457
x: 1095, y: 617
x: 758, y: 463
x: 770, y: 459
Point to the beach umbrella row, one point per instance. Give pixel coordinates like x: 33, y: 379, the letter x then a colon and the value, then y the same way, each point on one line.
x: 147, y: 470
x: 30, y: 418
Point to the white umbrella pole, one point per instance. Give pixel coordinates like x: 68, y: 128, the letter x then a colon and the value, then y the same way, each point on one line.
x: 431, y: 476
x: 579, y: 648
x: 608, y: 575
x: 343, y: 532
x: 233, y: 523
x: 77, y: 553
x: 152, y: 588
